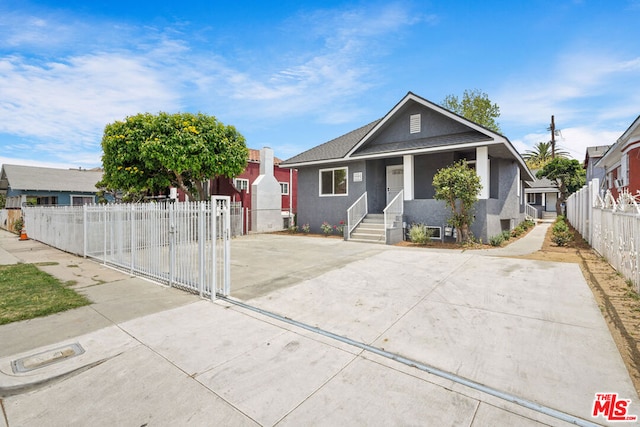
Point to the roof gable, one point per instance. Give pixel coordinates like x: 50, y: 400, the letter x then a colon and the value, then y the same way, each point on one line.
x: 435, y: 130
x: 440, y: 130
x: 613, y: 154
x: 49, y: 179
x: 439, y: 122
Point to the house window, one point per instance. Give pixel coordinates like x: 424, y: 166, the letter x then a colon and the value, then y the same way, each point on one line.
x: 47, y: 201
x: 531, y: 198
x: 414, y: 123
x: 284, y: 188
x: 333, y: 182
x: 241, y: 184
x: 82, y: 200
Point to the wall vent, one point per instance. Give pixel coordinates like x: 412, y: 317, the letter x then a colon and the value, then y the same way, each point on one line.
x: 414, y: 123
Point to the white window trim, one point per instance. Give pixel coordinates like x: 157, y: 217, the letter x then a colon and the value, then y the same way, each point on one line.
x: 236, y: 180
x: 286, y: 185
x: 346, y: 169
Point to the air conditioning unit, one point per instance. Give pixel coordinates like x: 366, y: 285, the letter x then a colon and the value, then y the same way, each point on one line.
x: 619, y: 183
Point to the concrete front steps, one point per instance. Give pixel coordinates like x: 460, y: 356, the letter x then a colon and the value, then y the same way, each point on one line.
x: 549, y: 215
x: 370, y: 230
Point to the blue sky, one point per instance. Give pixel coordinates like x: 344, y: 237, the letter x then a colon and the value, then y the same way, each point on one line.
x: 293, y: 74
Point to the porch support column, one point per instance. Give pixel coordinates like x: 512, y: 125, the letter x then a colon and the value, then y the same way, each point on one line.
x: 407, y: 163
x: 544, y: 201
x: 482, y: 169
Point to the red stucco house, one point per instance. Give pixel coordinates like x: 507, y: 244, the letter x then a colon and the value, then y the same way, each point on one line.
x: 621, y: 163
x: 239, y: 188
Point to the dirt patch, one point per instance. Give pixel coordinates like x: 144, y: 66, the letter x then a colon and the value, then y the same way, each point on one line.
x: 618, y: 302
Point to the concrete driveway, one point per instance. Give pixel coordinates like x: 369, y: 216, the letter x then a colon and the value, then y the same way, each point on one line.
x: 495, y: 331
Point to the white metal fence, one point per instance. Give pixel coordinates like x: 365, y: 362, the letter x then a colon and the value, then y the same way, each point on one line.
x: 612, y: 227
x: 186, y: 245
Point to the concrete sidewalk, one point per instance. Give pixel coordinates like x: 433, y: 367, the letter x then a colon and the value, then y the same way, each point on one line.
x: 158, y: 356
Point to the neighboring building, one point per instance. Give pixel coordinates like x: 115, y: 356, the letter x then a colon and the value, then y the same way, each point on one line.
x: 621, y: 163
x: 48, y: 186
x: 592, y: 156
x: 239, y: 188
x: 542, y: 194
x: 403, y: 151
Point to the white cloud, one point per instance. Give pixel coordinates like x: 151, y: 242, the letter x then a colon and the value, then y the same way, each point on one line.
x: 573, y: 140
x: 103, y: 71
x: 75, y: 99
x: 574, y: 80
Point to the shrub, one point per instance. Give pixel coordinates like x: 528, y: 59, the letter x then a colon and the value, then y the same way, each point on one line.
x: 516, y: 232
x: 293, y: 229
x: 420, y: 234
x: 339, y: 228
x: 561, y: 235
x: 497, y: 239
x: 506, y: 235
x: 326, y: 228
x: 17, y: 225
x: 306, y: 228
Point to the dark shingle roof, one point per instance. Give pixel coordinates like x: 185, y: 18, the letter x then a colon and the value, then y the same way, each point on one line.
x: 335, y: 149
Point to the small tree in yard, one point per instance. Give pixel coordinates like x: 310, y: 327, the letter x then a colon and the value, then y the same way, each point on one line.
x: 458, y: 186
x: 145, y: 154
x: 568, y: 175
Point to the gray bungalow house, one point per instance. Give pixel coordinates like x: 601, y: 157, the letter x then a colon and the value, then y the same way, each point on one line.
x: 383, y: 172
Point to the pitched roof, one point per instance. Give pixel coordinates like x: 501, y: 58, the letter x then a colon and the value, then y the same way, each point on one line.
x: 254, y: 156
x: 49, y: 179
x: 355, y: 145
x: 336, y: 148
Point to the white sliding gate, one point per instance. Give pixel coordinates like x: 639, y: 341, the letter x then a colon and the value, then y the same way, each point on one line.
x: 186, y: 245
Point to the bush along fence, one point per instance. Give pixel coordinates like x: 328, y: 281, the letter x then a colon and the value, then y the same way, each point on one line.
x: 186, y: 245
x: 612, y: 227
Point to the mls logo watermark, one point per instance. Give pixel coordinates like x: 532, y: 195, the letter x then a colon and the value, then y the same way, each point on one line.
x: 612, y: 408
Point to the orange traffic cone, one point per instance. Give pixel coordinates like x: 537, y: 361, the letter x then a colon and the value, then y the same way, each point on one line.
x: 23, y: 234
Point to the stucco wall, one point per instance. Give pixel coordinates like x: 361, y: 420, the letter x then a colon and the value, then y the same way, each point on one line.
x: 313, y: 209
x: 433, y: 124
x: 492, y: 215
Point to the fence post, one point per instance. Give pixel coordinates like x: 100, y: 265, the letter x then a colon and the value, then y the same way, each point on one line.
x: 132, y: 229
x: 201, y: 241
x: 227, y: 245
x: 85, y: 228
x: 593, y: 198
x: 172, y: 243
x: 214, y: 258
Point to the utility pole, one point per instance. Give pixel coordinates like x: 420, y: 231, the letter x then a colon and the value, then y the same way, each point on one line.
x: 553, y: 138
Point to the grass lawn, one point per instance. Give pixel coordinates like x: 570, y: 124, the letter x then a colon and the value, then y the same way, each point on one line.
x: 26, y: 292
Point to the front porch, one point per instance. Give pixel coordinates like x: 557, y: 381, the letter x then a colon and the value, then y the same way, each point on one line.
x: 399, y: 192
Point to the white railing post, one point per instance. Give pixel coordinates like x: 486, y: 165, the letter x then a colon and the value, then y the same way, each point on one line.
x: 395, y: 208
x: 356, y: 213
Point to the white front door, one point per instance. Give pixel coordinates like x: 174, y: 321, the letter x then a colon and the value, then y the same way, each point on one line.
x: 551, y: 202
x: 395, y: 181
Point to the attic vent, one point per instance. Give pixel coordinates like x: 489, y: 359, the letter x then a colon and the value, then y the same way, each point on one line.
x: 414, y: 123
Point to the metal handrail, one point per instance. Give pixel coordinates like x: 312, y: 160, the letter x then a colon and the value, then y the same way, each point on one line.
x: 530, y: 211
x: 398, y: 204
x: 356, y: 213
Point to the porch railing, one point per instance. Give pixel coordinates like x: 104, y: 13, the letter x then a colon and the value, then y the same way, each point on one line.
x: 356, y: 213
x: 394, y: 209
x: 530, y: 211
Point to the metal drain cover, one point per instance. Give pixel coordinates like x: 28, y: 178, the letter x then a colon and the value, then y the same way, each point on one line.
x: 46, y: 358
